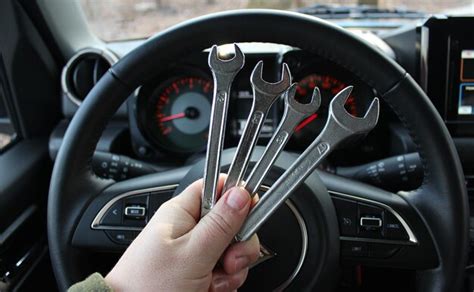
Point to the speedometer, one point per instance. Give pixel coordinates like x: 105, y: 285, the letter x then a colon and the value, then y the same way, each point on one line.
x: 178, y: 112
x: 329, y: 86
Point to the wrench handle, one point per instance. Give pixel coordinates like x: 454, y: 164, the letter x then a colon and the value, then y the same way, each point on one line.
x: 262, y: 167
x: 284, y: 186
x: 244, y: 149
x: 215, y: 144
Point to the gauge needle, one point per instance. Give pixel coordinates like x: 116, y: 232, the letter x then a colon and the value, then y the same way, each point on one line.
x: 173, y: 117
x: 305, y: 122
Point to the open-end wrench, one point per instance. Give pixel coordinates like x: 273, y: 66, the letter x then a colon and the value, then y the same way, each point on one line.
x: 264, y: 95
x: 223, y: 72
x: 339, y: 126
x: 294, y: 113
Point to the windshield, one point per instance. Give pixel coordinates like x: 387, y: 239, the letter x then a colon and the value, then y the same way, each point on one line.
x: 113, y: 20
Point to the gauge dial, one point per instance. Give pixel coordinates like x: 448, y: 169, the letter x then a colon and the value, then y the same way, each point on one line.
x: 179, y: 114
x: 329, y: 86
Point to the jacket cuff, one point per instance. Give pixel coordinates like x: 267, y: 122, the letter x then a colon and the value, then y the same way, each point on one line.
x: 93, y: 283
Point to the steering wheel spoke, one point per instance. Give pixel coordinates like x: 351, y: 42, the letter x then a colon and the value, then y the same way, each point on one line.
x: 114, y: 218
x: 379, y: 227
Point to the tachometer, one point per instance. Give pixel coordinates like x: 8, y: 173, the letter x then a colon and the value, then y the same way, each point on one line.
x: 329, y: 86
x: 178, y: 114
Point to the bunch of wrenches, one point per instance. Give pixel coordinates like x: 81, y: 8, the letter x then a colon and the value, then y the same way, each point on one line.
x: 339, y: 127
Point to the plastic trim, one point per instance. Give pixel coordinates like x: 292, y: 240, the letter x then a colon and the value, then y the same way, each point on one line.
x: 96, y: 222
x: 411, y: 236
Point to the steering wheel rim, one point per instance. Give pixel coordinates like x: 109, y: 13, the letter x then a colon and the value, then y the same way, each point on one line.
x: 441, y: 201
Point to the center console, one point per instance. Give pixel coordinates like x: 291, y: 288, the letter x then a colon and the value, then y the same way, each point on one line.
x: 447, y: 70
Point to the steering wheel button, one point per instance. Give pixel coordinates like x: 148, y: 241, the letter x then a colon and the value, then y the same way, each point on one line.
x: 371, y: 222
x: 354, y: 249
x: 135, y: 212
x: 113, y: 216
x: 156, y: 199
x: 394, y: 228
x: 376, y: 250
x: 347, y: 216
x: 122, y: 237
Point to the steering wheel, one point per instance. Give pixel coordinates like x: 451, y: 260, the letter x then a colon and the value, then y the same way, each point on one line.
x: 432, y: 220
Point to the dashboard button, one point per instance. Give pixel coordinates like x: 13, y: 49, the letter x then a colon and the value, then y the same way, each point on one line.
x: 346, y: 216
x: 394, y: 228
x: 113, y: 216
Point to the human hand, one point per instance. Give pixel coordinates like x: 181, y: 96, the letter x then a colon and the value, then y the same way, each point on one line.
x: 178, y: 252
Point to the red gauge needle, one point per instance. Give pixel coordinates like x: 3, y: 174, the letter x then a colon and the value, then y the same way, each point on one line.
x: 305, y: 122
x: 173, y: 117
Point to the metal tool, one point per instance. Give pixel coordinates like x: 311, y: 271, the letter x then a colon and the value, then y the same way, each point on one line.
x: 339, y: 126
x: 265, y: 94
x: 294, y: 113
x: 223, y: 72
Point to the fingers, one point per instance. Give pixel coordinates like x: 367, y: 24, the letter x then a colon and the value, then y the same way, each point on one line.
x: 241, y: 255
x: 225, y: 282
x: 215, y: 231
x: 190, y: 198
x: 182, y: 212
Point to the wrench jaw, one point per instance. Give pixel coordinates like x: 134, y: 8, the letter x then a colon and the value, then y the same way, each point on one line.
x: 231, y: 66
x: 307, y: 108
x: 270, y: 90
x: 354, y: 125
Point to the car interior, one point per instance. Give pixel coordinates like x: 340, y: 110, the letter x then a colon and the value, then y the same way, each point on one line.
x: 105, y: 109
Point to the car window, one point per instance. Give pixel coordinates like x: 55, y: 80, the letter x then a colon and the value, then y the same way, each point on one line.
x: 114, y: 20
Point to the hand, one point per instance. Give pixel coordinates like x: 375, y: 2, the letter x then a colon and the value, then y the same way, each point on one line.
x: 178, y: 252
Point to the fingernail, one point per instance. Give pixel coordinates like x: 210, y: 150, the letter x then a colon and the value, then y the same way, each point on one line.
x: 237, y: 198
x: 221, y: 285
x: 241, y: 263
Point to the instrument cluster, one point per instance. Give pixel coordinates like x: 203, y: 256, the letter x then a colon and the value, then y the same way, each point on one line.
x: 173, y: 111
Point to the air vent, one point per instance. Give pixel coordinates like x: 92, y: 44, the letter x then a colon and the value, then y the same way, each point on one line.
x: 83, y: 71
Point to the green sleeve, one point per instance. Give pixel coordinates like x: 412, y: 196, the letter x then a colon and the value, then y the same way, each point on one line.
x: 93, y: 283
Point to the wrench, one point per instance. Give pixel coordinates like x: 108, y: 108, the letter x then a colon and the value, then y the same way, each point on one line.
x: 294, y: 113
x: 223, y: 73
x: 264, y: 94
x: 340, y: 126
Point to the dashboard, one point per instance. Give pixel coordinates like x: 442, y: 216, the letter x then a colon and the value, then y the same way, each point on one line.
x: 164, y: 123
x: 172, y: 110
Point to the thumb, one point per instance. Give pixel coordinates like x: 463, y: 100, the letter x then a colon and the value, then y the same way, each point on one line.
x: 213, y: 234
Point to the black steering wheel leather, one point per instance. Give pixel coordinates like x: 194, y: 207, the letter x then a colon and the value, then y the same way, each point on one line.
x: 441, y: 201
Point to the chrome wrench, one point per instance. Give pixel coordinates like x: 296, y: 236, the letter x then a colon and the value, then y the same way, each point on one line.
x: 339, y: 126
x: 294, y: 113
x: 223, y: 73
x: 264, y: 95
